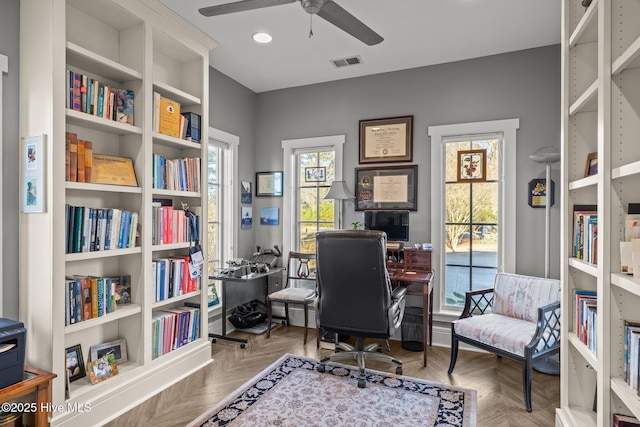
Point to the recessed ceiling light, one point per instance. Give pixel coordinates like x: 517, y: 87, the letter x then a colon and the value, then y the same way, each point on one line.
x: 262, y: 37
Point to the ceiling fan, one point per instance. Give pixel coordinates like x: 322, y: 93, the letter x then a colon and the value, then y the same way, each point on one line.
x: 325, y: 9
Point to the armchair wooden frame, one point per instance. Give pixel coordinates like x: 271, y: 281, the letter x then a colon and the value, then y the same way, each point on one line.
x: 545, y: 341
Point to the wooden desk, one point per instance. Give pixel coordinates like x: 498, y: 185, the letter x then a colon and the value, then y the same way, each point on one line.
x: 35, y: 381
x: 419, y: 283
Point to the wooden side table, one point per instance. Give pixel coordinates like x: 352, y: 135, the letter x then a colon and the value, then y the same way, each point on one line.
x: 34, y: 381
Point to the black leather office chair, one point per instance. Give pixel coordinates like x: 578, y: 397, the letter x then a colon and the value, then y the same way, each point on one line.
x: 355, y: 296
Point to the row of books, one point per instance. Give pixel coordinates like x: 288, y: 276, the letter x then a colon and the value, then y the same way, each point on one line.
x: 171, y: 329
x: 632, y: 354
x: 95, y: 229
x: 176, y: 174
x: 88, y: 297
x: 78, y: 158
x: 172, y: 277
x: 585, y: 228
x: 586, y: 311
x: 91, y: 96
x: 171, y: 225
x: 168, y: 120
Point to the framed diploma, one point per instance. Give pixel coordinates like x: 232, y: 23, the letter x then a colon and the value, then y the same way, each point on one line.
x: 113, y: 170
x: 386, y: 140
x: 384, y: 188
x: 269, y: 184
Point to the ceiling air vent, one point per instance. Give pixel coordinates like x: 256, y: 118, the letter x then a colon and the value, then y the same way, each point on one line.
x: 343, y: 62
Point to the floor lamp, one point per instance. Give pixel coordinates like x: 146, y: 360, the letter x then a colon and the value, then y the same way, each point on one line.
x: 339, y: 191
x: 547, y: 155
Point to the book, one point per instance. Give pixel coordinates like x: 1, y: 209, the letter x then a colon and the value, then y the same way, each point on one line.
x: 620, y: 420
x: 192, y: 132
x: 124, y: 106
x: 168, y: 116
x: 73, y: 157
x: 86, y: 297
x: 80, y: 171
x: 113, y: 170
x: 88, y: 160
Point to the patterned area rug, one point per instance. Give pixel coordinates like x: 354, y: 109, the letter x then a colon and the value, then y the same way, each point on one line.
x: 291, y: 392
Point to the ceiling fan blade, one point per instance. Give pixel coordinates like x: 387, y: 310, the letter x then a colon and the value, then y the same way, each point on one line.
x: 342, y: 19
x: 240, y: 6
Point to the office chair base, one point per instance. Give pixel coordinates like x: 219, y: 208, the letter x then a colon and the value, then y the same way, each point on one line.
x: 359, y: 353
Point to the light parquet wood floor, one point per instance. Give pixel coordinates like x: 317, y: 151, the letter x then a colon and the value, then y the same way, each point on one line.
x: 498, y: 382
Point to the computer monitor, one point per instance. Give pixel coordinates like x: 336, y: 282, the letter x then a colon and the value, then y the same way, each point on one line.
x: 394, y: 223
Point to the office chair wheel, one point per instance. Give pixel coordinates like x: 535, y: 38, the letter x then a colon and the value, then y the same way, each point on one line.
x: 361, y: 383
x: 398, y: 371
x: 242, y: 345
x: 214, y: 340
x: 321, y: 368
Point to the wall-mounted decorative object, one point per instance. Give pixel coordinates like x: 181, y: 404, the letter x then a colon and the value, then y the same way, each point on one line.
x: 75, y: 363
x: 538, y: 193
x: 33, y: 184
x: 391, y: 187
x: 245, y: 192
x: 318, y: 174
x: 269, y: 216
x: 247, y: 217
x: 472, y: 165
x: 269, y: 184
x: 386, y: 140
x: 591, y: 167
x: 118, y: 348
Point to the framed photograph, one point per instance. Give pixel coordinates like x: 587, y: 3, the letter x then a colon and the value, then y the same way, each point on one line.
x: 391, y: 187
x: 269, y: 216
x: 538, y: 193
x: 315, y: 174
x: 102, y: 369
x: 386, y: 140
x: 269, y: 184
x: 74, y: 363
x: 591, y: 167
x: 472, y: 165
x: 118, y: 348
x: 247, y: 217
x: 32, y: 156
x: 245, y: 192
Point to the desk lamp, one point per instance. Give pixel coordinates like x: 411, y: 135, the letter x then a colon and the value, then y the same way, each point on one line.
x: 339, y: 191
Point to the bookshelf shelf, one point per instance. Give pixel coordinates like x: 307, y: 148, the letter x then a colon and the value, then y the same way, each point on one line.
x: 586, y: 102
x: 92, y: 62
x: 168, y: 302
x: 138, y: 46
x: 626, y: 394
x: 589, y: 181
x: 97, y: 123
x: 626, y: 282
x: 587, y: 29
x: 82, y: 186
x: 628, y: 60
x: 627, y: 170
x: 577, y: 416
x: 170, y: 246
x: 585, y: 267
x: 584, y: 351
x: 121, y: 312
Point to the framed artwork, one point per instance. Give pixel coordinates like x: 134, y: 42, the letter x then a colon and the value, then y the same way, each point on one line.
x: 245, y: 192
x: 386, y: 140
x: 472, y: 166
x: 74, y: 363
x: 32, y: 155
x: 315, y: 174
x: 269, y: 216
x: 102, y: 369
x: 118, y: 348
x: 269, y: 184
x: 247, y: 217
x: 538, y: 193
x: 591, y: 168
x: 390, y: 187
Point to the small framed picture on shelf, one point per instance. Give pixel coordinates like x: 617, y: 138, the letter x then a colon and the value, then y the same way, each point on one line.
x: 102, y: 369
x: 118, y: 348
x: 591, y: 167
x: 74, y: 363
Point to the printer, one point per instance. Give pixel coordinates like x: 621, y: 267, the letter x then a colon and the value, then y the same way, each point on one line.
x: 12, y: 344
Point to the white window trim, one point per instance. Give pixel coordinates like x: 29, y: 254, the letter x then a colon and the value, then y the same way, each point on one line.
x: 289, y: 146
x: 506, y: 205
x: 230, y: 199
x: 4, y: 68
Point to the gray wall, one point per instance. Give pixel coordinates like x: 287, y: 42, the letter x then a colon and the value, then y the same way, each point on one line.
x: 524, y: 85
x: 10, y: 46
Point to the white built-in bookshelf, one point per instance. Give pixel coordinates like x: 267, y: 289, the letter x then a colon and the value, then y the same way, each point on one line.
x: 600, y: 114
x: 130, y: 44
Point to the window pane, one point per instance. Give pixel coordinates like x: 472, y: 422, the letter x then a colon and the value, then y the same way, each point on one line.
x: 451, y: 159
x: 485, y: 202
x: 307, y: 233
x: 485, y: 246
x: 307, y: 160
x: 327, y: 211
x: 457, y: 200
x: 212, y: 210
x: 483, y: 278
x: 328, y: 160
x: 212, y: 241
x: 308, y: 204
x: 492, y: 156
x: 457, y: 283
x: 213, y: 164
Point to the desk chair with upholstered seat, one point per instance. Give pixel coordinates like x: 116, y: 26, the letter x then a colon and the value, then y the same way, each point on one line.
x: 355, y: 297
x: 300, y: 288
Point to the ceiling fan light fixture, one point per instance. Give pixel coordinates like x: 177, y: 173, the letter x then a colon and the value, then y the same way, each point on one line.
x: 262, y: 38
x: 312, y: 6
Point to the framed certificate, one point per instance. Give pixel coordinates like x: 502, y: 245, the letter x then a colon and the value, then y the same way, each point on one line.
x: 386, y: 140
x: 269, y: 184
x: 383, y: 188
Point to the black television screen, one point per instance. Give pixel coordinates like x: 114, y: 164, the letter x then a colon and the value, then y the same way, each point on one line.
x: 394, y: 223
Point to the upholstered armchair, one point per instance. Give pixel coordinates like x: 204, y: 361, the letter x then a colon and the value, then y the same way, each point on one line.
x: 519, y: 319
x: 355, y: 297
